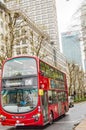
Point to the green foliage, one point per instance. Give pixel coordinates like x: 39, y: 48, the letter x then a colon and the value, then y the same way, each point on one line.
x: 79, y: 99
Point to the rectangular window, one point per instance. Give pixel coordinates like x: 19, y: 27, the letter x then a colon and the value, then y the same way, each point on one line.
x: 24, y: 50
x: 18, y: 51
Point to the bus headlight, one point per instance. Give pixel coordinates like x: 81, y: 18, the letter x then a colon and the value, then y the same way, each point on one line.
x: 2, y: 117
x: 36, y: 117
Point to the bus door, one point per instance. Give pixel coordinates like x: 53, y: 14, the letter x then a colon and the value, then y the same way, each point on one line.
x: 59, y: 104
x: 44, y: 99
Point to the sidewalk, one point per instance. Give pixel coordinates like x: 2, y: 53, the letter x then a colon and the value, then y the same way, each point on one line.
x: 81, y: 126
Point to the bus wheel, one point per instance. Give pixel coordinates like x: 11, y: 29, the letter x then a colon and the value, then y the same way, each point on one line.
x: 51, y: 118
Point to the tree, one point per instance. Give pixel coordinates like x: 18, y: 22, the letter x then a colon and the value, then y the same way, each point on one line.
x: 19, y: 22
x: 78, y: 24
x: 9, y: 39
x: 37, y: 46
x: 76, y: 80
x: 33, y: 35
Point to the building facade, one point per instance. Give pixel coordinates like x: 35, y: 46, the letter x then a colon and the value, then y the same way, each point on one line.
x: 15, y: 34
x: 83, y: 29
x: 22, y: 44
x: 71, y: 47
x: 42, y: 12
x: 4, y: 27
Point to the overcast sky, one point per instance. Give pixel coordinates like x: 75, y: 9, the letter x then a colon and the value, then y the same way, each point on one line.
x: 65, y: 10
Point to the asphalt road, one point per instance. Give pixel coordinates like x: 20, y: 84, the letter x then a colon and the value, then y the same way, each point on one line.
x: 72, y: 118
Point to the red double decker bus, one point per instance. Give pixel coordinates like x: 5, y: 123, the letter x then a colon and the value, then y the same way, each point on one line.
x: 32, y: 92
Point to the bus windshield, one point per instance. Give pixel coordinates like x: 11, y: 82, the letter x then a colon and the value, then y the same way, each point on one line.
x: 19, y: 85
x: 20, y: 66
x: 19, y: 100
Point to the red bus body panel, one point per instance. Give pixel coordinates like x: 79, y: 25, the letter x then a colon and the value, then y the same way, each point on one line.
x: 27, y: 118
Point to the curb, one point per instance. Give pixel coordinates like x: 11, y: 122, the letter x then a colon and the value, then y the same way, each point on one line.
x: 81, y: 125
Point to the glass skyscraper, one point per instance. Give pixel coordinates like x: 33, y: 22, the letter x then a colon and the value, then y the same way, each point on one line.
x: 71, y: 47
